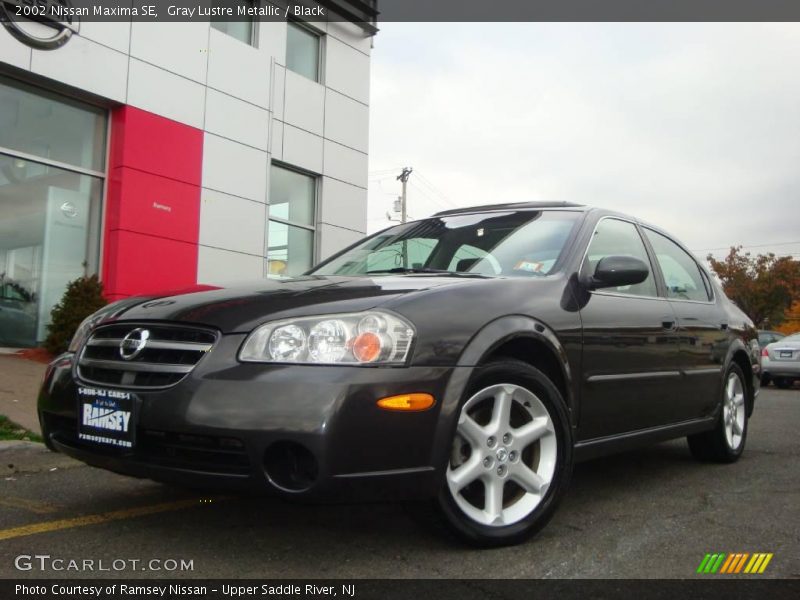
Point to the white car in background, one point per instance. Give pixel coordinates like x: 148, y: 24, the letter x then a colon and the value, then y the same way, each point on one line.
x: 780, y: 361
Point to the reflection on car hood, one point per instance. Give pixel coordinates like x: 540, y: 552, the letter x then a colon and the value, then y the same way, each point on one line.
x: 241, y: 307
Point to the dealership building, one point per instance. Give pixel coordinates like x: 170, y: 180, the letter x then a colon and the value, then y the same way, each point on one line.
x: 165, y: 155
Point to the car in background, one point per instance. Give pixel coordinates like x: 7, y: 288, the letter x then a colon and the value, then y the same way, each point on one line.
x: 17, y: 324
x: 766, y: 337
x: 780, y: 361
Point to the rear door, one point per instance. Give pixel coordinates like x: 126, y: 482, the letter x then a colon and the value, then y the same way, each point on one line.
x: 630, y: 348
x: 702, y: 327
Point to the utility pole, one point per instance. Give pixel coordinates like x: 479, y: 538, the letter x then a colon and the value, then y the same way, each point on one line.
x: 403, y: 178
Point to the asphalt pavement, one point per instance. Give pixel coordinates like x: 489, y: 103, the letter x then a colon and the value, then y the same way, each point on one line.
x: 652, y: 513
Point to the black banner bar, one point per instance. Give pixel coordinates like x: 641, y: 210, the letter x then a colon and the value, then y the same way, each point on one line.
x: 371, y: 12
x: 710, y: 587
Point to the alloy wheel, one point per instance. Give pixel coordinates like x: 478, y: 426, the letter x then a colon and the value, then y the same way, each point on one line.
x: 734, y: 411
x: 504, y: 455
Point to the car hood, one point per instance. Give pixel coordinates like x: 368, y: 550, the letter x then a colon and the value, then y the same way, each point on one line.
x: 242, y: 307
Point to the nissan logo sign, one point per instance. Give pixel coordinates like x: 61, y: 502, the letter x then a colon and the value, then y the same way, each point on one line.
x: 132, y: 344
x: 41, y: 24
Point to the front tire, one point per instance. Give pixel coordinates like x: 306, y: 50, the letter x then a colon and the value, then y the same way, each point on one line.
x: 511, y: 457
x: 725, y: 443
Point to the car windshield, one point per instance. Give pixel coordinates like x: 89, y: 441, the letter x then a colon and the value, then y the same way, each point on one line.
x: 767, y: 337
x: 518, y: 243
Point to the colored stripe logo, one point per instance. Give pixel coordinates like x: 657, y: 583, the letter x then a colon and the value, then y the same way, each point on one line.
x: 735, y: 563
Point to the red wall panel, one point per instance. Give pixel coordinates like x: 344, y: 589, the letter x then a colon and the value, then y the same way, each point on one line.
x: 152, y: 212
x: 147, y: 264
x: 152, y: 204
x: 156, y: 145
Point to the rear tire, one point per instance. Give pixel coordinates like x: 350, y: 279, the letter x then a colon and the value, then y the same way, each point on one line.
x: 725, y: 443
x: 511, y: 458
x: 783, y: 383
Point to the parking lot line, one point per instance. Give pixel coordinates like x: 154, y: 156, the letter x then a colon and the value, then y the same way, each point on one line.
x: 117, y: 515
x: 34, y: 506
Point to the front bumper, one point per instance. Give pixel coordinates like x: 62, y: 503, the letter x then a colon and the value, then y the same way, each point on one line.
x: 303, y: 431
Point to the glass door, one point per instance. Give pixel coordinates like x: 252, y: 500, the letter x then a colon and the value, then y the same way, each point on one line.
x: 45, y: 221
x: 52, y: 154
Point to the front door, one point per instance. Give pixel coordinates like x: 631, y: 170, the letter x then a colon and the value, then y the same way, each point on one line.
x: 630, y: 346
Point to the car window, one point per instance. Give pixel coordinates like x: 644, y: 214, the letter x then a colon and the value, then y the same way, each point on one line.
x: 683, y: 276
x: 613, y: 237
x: 468, y: 258
x: 523, y: 243
x: 767, y: 337
x: 411, y: 253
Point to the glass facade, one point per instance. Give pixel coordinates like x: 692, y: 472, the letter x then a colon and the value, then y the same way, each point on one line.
x: 52, y: 153
x: 302, y: 51
x: 54, y: 128
x: 292, y: 210
x: 244, y: 30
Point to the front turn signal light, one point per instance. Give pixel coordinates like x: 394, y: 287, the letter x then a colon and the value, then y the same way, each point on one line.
x: 407, y: 402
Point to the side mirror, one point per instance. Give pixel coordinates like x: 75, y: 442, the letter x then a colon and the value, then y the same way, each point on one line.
x: 616, y: 271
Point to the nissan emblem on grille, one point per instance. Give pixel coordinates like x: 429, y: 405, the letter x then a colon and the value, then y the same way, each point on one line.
x: 139, y: 355
x: 132, y: 344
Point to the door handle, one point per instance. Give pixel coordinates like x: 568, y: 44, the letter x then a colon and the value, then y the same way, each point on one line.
x: 668, y: 324
x: 723, y: 326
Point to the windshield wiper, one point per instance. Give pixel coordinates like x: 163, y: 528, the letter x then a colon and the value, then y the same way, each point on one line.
x: 426, y: 270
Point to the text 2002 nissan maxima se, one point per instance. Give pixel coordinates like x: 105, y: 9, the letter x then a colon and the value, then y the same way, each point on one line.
x: 470, y: 357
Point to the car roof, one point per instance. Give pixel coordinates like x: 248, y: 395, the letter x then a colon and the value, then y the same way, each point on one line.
x: 571, y: 206
x: 511, y: 206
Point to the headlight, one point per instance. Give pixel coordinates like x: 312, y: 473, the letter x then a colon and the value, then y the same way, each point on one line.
x: 374, y: 338
x: 82, y: 332
x: 89, y: 323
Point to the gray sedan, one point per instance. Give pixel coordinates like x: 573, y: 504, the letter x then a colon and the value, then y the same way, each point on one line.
x: 780, y: 361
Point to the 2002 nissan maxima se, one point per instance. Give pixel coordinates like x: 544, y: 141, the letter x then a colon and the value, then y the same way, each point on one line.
x: 470, y: 357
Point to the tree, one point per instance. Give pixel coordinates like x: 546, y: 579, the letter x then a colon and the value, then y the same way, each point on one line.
x: 764, y: 286
x: 83, y: 297
x: 791, y: 321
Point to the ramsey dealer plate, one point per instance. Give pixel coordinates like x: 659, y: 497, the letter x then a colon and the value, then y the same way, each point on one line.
x: 106, y: 417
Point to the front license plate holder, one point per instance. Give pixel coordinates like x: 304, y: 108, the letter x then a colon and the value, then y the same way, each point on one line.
x: 107, y: 417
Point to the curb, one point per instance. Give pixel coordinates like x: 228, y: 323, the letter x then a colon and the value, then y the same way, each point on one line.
x: 21, y: 456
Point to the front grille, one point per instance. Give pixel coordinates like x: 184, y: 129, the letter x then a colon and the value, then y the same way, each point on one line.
x: 206, y: 453
x: 197, y: 452
x: 170, y: 353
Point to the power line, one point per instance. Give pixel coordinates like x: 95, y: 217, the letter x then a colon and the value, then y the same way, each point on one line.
x: 748, y: 246
x: 436, y: 190
x: 381, y: 171
x: 428, y: 196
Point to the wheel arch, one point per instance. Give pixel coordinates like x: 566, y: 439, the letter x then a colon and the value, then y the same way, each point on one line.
x: 737, y: 354
x: 526, y: 339
x: 513, y: 333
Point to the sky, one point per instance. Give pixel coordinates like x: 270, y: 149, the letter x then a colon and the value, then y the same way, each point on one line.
x: 692, y: 127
